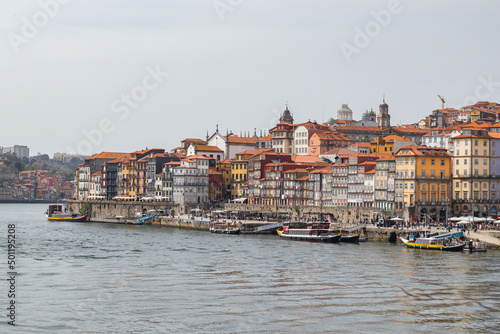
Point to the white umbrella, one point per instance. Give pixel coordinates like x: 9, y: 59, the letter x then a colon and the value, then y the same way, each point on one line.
x: 397, y: 219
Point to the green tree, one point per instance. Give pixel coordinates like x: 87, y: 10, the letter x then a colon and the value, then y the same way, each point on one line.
x: 19, y: 166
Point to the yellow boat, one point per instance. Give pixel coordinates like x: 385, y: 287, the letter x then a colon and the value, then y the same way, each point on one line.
x: 445, y: 242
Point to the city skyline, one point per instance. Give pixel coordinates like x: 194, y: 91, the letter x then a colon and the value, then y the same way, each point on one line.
x: 152, y: 74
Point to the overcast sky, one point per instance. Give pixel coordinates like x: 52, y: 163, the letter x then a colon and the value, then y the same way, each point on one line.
x: 136, y: 74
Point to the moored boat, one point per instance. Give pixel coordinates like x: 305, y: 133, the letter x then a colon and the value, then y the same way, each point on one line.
x: 317, y: 232
x: 444, y: 242
x: 350, y: 236
x: 55, y: 213
x: 224, y: 228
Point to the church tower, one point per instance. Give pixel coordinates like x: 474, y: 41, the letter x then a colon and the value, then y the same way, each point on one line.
x: 344, y: 113
x: 286, y: 117
x: 383, y: 118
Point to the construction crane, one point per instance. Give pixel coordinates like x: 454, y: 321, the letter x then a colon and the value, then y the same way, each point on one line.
x: 442, y: 101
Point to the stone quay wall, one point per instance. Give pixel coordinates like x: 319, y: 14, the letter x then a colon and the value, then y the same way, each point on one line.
x: 117, y: 208
x: 189, y: 224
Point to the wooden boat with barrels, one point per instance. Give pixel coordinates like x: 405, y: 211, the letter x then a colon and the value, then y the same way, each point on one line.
x: 444, y: 242
x: 56, y: 213
x: 224, y: 228
x: 315, y: 232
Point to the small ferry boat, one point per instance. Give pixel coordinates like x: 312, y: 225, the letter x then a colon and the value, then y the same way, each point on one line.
x: 350, y: 236
x: 55, y: 213
x: 224, y: 228
x: 444, y: 242
x: 316, y: 232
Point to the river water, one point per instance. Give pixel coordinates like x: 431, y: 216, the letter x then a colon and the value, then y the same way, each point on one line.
x: 105, y: 278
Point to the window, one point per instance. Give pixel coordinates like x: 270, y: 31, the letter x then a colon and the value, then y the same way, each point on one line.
x: 411, y: 185
x: 484, y: 152
x: 443, y: 187
x: 442, y: 174
x: 476, y: 194
x: 433, y: 174
x: 465, y: 161
x: 458, y: 152
x: 433, y: 187
x: 476, y: 185
x: 423, y: 161
x: 442, y: 162
x: 476, y: 142
x: 484, y: 142
x: 423, y: 174
x: 457, y: 184
x: 406, y: 161
x: 485, y: 195
x: 476, y: 162
x: 433, y: 162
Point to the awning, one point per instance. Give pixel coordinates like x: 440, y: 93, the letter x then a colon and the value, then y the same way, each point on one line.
x: 242, y: 199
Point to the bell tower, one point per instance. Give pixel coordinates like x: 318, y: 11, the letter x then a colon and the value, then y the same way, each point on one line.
x: 383, y: 118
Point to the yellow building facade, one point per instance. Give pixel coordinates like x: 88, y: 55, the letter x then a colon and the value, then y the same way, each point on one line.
x: 423, y: 181
x: 472, y: 172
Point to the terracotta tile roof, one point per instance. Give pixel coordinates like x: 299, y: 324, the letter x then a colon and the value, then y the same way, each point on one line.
x: 197, y: 140
x: 418, y: 150
x: 306, y: 159
x: 298, y: 170
x: 495, y: 135
x: 96, y: 173
x: 208, y: 148
x: 109, y: 155
x: 240, y: 140
x: 254, y: 152
x: 411, y: 130
x: 359, y: 128
x: 197, y: 157
x: 145, y: 151
x: 396, y: 138
x: 266, y: 138
x: 361, y: 145
x: 390, y: 158
x: 340, y: 151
